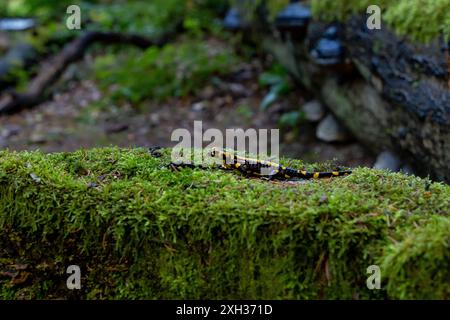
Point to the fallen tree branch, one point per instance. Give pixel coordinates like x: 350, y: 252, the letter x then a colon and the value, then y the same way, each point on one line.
x: 12, y: 102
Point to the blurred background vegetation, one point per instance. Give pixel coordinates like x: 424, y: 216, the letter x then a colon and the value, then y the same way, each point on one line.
x: 117, y: 93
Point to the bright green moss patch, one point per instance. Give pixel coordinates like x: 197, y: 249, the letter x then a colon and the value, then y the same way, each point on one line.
x: 422, y: 20
x: 140, y: 230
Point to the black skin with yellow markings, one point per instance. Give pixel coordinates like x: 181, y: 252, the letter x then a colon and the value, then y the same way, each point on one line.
x: 274, y: 171
x: 254, y: 167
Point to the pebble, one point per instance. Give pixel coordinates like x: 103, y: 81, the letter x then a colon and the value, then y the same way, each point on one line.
x: 329, y: 130
x: 238, y: 90
x: 154, y: 118
x: 313, y: 110
x: 198, y: 107
x: 387, y: 161
x: 10, y: 130
x: 38, y: 137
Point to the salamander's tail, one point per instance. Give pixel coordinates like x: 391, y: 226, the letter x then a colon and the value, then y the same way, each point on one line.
x: 318, y: 175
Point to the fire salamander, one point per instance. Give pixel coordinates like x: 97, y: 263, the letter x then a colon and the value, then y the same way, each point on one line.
x: 261, y: 168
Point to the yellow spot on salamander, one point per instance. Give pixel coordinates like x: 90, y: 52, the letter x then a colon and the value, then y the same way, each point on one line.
x: 303, y: 172
x: 335, y: 173
x: 316, y: 175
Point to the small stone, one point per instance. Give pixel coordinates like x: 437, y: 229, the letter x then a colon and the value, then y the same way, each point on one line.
x: 327, y: 52
x: 329, y: 130
x: 294, y: 15
x: 313, y: 110
x: 10, y: 130
x: 387, y: 161
x: 238, y: 90
x: 17, y: 24
x: 38, y: 137
x: 154, y: 118
x: 198, y: 107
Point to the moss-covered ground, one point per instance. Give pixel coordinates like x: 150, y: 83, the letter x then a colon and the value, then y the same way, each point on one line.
x: 140, y: 230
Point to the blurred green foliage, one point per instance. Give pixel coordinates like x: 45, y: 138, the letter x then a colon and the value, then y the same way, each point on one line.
x: 150, y: 18
x: 279, y: 83
x: 174, y: 70
x: 146, y: 17
x: 290, y: 119
x: 159, y: 73
x: 248, y: 7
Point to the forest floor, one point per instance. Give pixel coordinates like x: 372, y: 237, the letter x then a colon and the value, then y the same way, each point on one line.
x: 75, y: 117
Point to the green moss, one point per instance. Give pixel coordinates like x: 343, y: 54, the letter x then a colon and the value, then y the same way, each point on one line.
x: 421, y: 20
x: 423, y: 248
x: 275, y: 6
x: 144, y: 231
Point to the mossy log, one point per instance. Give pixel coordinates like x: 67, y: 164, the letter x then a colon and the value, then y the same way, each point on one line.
x: 140, y: 230
x: 397, y: 99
